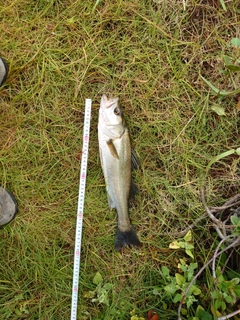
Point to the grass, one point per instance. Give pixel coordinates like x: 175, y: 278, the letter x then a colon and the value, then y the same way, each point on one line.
x: 151, y: 55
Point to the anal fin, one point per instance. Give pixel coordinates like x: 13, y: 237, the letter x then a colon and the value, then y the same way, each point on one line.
x: 133, y: 190
x: 134, y: 159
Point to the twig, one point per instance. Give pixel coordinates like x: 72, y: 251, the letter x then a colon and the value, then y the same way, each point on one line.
x: 223, y: 235
x: 230, y: 315
x: 179, y: 233
x: 233, y: 244
x: 224, y: 207
x: 228, y: 204
x: 215, y: 257
x: 214, y: 219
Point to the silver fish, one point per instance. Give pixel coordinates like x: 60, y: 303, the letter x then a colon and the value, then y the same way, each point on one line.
x: 117, y: 159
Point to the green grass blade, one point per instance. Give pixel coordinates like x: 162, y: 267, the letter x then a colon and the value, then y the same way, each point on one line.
x: 217, y: 91
x: 223, y: 5
x: 219, y: 157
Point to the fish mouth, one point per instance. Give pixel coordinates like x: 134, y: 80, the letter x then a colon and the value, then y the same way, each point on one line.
x: 107, y: 103
x: 112, y: 102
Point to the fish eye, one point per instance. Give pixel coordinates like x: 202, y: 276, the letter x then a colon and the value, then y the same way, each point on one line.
x: 117, y: 111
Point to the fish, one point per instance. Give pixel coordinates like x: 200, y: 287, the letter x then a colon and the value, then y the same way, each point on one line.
x: 117, y: 160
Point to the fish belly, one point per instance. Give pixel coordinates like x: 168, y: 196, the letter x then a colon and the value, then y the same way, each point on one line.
x: 117, y: 174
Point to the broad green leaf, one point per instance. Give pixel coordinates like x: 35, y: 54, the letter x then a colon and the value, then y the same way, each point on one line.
x: 183, y: 262
x: 195, y: 290
x: 220, y: 156
x: 235, y: 220
x: 156, y: 292
x: 199, y: 309
x: 188, y: 236
x: 219, y: 110
x: 238, y: 151
x: 237, y: 291
x: 229, y: 299
x: 190, y: 301
x: 215, y: 312
x: 217, y: 91
x: 180, y: 279
x: 89, y: 294
x: 182, y: 267
x: 189, y: 252
x: 223, y: 5
x: 177, y: 298
x: 170, y: 288
x: 102, y: 293
x: 189, y: 246
x: 165, y: 271
x: 182, y: 244
x: 164, y: 305
x: 97, y: 278
x: 219, y: 304
x: 193, y: 266
x: 108, y: 286
x: 235, y: 280
x: 232, y: 67
x: 235, y: 42
x: 174, y: 245
x: 184, y: 311
x: 204, y: 315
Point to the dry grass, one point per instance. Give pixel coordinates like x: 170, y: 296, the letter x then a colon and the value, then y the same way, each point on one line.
x: 151, y: 55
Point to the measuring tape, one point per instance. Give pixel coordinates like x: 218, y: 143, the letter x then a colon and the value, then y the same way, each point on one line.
x: 81, y: 196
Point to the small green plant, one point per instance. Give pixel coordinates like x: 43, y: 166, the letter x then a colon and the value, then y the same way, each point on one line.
x: 232, y: 65
x: 236, y: 222
x: 182, y: 288
x: 225, y: 292
x: 186, y: 244
x: 102, y: 291
x: 222, y: 155
x: 180, y: 282
x: 175, y: 286
x: 135, y: 316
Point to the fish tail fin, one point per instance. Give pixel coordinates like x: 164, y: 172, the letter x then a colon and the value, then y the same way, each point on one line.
x: 125, y: 238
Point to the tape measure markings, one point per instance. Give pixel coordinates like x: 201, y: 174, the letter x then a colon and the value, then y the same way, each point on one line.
x: 81, y: 196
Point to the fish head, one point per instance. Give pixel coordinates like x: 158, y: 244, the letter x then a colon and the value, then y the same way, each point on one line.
x: 110, y: 112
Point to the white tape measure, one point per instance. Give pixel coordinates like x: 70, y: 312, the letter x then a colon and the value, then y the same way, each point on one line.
x: 81, y: 196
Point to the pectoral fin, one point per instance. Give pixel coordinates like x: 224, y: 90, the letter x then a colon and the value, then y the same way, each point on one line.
x: 112, y: 149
